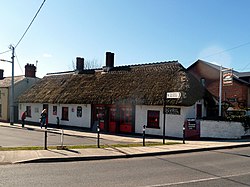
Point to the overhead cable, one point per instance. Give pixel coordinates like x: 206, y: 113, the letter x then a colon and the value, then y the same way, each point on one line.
x: 30, y: 24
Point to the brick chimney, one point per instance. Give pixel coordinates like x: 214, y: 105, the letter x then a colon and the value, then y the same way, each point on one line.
x: 30, y: 70
x: 79, y: 64
x: 110, y: 60
x: 1, y: 74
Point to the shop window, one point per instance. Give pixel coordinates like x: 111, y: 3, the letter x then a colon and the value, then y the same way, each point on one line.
x: 28, y: 111
x: 153, y: 119
x: 126, y: 115
x: 65, y: 113
x: 54, y: 110
x: 79, y: 112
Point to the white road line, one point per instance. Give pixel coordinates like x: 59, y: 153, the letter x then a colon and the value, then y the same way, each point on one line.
x: 198, y: 180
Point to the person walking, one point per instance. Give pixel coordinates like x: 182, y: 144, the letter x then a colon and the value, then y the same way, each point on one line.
x: 23, y: 117
x: 43, y: 118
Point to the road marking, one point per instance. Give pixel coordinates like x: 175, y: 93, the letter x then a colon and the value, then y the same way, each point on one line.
x: 198, y: 180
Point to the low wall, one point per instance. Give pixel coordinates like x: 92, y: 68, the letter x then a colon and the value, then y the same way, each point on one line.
x: 222, y: 129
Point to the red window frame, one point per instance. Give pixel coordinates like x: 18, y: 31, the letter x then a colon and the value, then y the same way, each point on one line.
x: 153, y: 119
x: 65, y: 113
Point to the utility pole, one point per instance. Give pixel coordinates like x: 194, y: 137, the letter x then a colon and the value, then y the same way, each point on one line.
x: 220, y: 91
x: 164, y: 117
x: 11, y: 103
x: 12, y: 87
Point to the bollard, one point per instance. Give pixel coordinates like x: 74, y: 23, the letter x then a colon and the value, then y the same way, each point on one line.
x: 45, y: 139
x: 143, y: 134
x: 98, y: 136
x: 62, y: 137
x: 183, y: 134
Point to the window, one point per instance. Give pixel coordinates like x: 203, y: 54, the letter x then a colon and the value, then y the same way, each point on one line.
x: 203, y: 82
x: 79, y: 112
x: 54, y: 110
x: 36, y: 110
x: 28, y: 111
x: 0, y: 110
x: 0, y: 94
x: 153, y: 119
x: 65, y: 113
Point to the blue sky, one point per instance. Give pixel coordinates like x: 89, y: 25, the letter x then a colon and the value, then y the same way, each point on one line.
x: 137, y: 31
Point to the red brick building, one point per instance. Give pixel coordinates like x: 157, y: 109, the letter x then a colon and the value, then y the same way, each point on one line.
x: 234, y: 95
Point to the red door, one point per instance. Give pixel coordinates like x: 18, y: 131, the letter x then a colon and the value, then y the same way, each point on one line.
x: 112, y: 120
x: 126, y: 119
x: 198, y: 111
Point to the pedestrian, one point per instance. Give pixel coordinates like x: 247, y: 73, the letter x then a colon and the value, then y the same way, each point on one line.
x: 43, y: 118
x: 23, y: 117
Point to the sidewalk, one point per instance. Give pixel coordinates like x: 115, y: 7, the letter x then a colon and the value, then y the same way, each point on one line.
x: 53, y: 155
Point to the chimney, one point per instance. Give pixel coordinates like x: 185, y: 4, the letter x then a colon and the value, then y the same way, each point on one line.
x: 79, y: 64
x: 1, y: 74
x: 109, y: 61
x: 30, y: 70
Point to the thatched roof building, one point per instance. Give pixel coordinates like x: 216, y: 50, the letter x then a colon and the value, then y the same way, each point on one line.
x: 136, y: 84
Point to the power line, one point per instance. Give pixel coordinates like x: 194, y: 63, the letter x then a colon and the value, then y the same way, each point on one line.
x: 5, y: 52
x: 220, y: 52
x: 30, y: 24
x: 18, y: 63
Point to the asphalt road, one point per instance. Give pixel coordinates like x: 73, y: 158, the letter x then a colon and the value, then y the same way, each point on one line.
x: 230, y: 168
x: 13, y: 137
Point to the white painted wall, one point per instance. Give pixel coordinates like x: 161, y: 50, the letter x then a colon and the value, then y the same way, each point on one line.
x: 222, y: 129
x: 36, y: 109
x: 174, y: 123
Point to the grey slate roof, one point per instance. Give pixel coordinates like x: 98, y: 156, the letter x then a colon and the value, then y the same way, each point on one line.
x: 6, y: 82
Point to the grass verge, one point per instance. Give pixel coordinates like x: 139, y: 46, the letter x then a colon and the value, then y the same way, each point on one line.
x: 86, y: 146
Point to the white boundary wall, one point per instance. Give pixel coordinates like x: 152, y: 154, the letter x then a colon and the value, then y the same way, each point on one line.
x: 222, y: 129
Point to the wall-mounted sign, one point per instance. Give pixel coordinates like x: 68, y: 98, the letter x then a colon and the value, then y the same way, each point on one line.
x: 227, y: 77
x: 173, y: 111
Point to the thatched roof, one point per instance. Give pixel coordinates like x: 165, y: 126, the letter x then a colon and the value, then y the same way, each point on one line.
x: 137, y: 84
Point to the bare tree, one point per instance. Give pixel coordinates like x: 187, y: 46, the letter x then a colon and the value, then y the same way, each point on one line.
x: 91, y: 64
x: 88, y: 64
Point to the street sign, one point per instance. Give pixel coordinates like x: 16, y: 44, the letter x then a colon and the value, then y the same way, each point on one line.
x: 173, y: 95
x: 173, y: 111
x: 227, y: 76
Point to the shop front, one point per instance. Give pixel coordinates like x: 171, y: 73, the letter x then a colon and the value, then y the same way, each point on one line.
x: 113, y: 118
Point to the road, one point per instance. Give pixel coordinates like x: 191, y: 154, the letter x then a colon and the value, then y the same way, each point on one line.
x: 13, y: 137
x: 228, y: 168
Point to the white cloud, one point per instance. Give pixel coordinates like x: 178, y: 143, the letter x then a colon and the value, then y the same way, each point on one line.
x: 217, y: 55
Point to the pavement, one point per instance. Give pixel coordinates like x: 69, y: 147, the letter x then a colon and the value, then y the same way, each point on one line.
x: 64, y: 155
